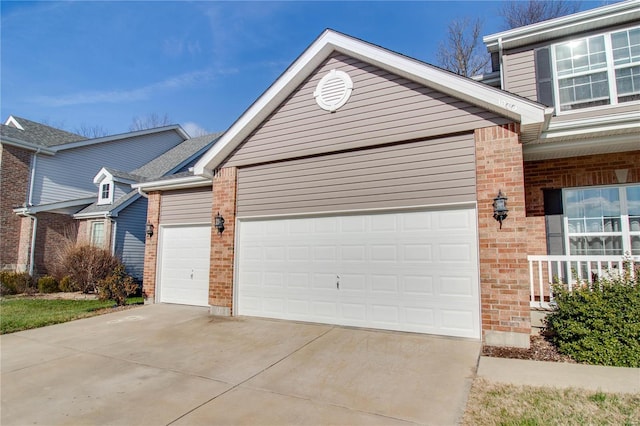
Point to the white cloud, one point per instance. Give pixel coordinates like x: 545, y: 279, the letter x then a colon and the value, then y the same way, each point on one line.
x: 193, y: 129
x: 119, y: 96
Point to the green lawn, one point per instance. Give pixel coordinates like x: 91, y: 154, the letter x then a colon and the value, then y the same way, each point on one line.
x: 23, y: 314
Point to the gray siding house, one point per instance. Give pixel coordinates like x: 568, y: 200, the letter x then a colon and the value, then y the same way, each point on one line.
x: 60, y: 188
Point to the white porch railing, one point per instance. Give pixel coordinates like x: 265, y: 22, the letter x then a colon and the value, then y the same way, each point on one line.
x: 544, y: 270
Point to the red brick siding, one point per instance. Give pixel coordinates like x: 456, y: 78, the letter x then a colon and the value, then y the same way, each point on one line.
x: 151, y: 248
x: 14, y: 182
x: 504, y: 287
x: 574, y: 172
x: 223, y: 245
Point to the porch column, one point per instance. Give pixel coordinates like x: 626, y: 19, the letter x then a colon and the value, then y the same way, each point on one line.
x: 504, y: 285
x: 223, y: 244
x: 151, y: 248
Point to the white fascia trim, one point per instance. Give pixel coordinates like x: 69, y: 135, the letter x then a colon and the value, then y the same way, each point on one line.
x: 94, y: 215
x: 518, y: 36
x: 170, y: 184
x: 112, y: 138
x: 26, y: 145
x: 11, y: 121
x: 599, y: 143
x: 516, y: 108
x: 102, y: 175
x: 623, y: 122
x: 54, y: 206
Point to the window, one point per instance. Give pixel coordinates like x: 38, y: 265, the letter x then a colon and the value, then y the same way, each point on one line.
x: 104, y: 196
x: 602, y: 220
x: 97, y: 234
x: 598, y: 70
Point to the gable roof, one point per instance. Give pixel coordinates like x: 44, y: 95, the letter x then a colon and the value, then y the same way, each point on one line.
x: 593, y: 19
x: 165, y: 164
x: 34, y: 136
x: 532, y: 115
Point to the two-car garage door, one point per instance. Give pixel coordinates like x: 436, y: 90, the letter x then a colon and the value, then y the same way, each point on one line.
x: 409, y: 271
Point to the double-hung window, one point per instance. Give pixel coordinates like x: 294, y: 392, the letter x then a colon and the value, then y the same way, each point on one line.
x: 97, y: 234
x: 104, y: 195
x: 603, y: 220
x: 602, y: 69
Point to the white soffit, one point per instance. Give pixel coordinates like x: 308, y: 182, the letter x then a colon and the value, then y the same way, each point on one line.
x: 521, y: 110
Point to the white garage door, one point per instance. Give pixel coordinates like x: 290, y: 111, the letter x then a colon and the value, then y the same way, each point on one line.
x: 410, y: 271
x: 184, y: 265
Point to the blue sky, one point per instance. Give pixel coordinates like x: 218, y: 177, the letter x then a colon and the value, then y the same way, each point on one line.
x: 202, y: 63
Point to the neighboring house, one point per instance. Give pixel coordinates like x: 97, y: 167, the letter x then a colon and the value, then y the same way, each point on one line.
x: 47, y: 176
x: 359, y: 189
x: 116, y: 220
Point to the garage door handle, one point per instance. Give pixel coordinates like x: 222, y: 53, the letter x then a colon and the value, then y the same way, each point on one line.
x: 192, y: 274
x: 338, y: 282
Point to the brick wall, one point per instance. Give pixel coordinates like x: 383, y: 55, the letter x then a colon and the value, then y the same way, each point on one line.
x: 576, y: 171
x: 151, y: 248
x: 14, y: 182
x: 223, y: 245
x: 504, y: 286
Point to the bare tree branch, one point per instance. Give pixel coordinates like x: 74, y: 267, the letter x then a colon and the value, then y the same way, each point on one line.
x: 149, y: 122
x: 91, y: 132
x: 520, y: 13
x: 461, y: 52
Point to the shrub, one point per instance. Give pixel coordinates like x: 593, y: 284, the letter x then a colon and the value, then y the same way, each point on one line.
x: 117, y: 286
x: 48, y: 284
x: 15, y: 283
x: 85, y: 265
x: 67, y: 284
x: 599, y: 323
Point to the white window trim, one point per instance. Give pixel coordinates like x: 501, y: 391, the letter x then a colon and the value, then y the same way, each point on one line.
x: 610, y: 70
x: 625, y: 232
x: 92, y: 229
x: 109, y: 199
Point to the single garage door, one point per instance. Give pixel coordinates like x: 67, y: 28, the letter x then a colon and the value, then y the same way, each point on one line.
x: 409, y: 271
x: 184, y: 264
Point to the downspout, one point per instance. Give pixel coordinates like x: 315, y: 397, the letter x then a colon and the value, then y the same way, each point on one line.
x: 33, y: 177
x: 141, y: 192
x: 32, y: 248
x: 114, y: 230
x: 501, y: 63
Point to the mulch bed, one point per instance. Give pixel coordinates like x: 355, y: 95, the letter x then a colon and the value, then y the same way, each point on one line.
x: 541, y: 350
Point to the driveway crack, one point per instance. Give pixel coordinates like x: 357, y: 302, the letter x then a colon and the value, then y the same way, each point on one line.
x: 255, y: 375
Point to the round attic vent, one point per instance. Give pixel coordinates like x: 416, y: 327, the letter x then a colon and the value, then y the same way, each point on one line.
x: 333, y: 90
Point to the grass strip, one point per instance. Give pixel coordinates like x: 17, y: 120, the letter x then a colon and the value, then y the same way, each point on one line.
x: 509, y: 405
x: 25, y: 314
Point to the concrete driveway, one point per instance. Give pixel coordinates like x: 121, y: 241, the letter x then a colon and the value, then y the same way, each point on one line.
x: 171, y: 364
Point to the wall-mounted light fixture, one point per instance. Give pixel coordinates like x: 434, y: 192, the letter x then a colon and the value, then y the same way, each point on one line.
x: 219, y: 223
x: 500, y: 207
x: 149, y: 229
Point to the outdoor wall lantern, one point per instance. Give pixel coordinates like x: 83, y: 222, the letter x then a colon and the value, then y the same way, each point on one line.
x: 219, y: 224
x: 149, y: 229
x: 500, y: 207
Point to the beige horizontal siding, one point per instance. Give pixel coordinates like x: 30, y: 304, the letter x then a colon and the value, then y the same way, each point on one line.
x: 383, y: 108
x: 520, y: 74
x: 186, y: 206
x: 417, y: 173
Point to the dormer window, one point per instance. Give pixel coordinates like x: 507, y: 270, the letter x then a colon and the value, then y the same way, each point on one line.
x: 600, y: 70
x: 104, y: 196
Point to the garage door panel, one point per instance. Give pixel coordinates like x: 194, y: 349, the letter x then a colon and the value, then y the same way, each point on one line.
x: 184, y: 265
x: 412, y: 271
